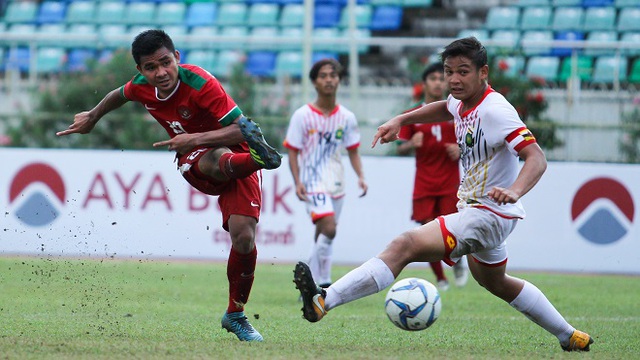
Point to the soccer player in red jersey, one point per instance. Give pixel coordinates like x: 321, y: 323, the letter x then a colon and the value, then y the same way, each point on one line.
x: 437, y: 171
x: 219, y: 151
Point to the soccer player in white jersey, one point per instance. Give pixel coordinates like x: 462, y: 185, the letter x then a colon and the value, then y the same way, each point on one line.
x: 316, y: 134
x: 491, y: 137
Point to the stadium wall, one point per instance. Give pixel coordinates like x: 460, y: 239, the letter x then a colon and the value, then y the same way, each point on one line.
x: 134, y: 204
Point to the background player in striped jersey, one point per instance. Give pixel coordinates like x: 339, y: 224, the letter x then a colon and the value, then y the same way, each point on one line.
x: 218, y: 150
x: 315, y: 136
x: 437, y: 174
x: 491, y: 137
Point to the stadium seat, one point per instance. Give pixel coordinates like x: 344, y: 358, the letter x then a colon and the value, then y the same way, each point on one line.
x: 626, y: 3
x: 514, y: 65
x: 2, y: 59
x: 558, y: 3
x: 545, y: 67
x: 80, y: 12
x: 50, y: 59
x: 363, y: 15
x: 114, y: 36
x: 502, y: 17
x: 359, y: 34
x: 201, y: 14
x: 511, y: 38
x: 289, y: 63
x: 634, y: 73
x: 23, y: 31
x: 326, y: 15
x: 226, y: 61
x: 177, y: 32
x: 51, y: 34
x: 417, y: 3
x: 261, y: 38
x: 263, y: 15
x: 629, y: 19
x: 599, y: 18
x: 480, y: 34
x: 293, y: 35
x: 567, y: 19
x: 533, y: 36
x: 324, y: 39
x: 536, y: 18
x: 170, y: 13
x: 584, y: 68
x: 596, y: 3
x: 138, y: 13
x: 569, y: 36
x: 110, y: 12
x: 601, y: 36
x: 206, y: 59
x: 78, y: 60
x: 51, y: 12
x: 200, y: 37
x: 386, y: 18
x: 633, y: 38
x: 232, y: 14
x: 292, y: 15
x: 606, y: 67
x: 236, y: 36
x: 319, y: 55
x: 20, y: 12
x: 526, y: 3
x: 85, y: 31
x: 261, y: 63
x: 18, y: 58
x: 385, y: 2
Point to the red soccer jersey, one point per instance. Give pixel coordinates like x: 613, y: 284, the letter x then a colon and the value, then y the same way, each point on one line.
x: 198, y: 104
x: 436, y: 173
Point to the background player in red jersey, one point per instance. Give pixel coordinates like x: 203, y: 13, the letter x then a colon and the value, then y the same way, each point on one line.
x: 219, y: 151
x: 437, y: 171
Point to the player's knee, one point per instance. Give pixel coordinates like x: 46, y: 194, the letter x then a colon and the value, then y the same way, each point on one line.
x: 243, y: 240
x: 209, y: 164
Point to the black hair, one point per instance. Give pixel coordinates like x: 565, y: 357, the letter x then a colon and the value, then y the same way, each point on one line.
x: 148, y: 42
x: 433, y: 67
x: 315, y: 69
x: 468, y: 47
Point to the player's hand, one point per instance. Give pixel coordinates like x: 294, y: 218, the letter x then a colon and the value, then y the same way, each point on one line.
x: 363, y: 185
x: 181, y: 143
x: 301, y: 192
x: 83, y: 123
x: 453, y: 151
x: 387, y: 132
x: 417, y: 139
x: 503, y: 196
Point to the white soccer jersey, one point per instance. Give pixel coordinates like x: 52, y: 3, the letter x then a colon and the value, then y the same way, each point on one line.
x: 319, y: 139
x: 490, y: 136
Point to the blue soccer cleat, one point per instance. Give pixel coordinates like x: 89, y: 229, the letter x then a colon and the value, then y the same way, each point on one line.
x: 261, y: 152
x: 237, y: 323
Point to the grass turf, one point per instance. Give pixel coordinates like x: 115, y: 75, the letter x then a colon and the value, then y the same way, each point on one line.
x: 110, y: 309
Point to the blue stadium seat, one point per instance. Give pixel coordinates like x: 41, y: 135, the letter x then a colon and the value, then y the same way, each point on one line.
x: 51, y: 12
x: 170, y: 13
x: 545, y: 67
x: 599, y: 18
x: 79, y: 58
x: 289, y: 63
x: 232, y: 14
x: 263, y: 15
x: 502, y: 17
x: 596, y: 3
x: 386, y: 18
x: 536, y: 35
x: 292, y: 15
x: 363, y: 14
x: 601, y: 36
x: 201, y: 14
x: 261, y: 63
x: 567, y: 35
x: 50, y: 59
x: 20, y: 12
x: 319, y: 55
x: 326, y: 15
x: 629, y: 19
x: 536, y: 18
x: 567, y: 18
x: 80, y: 12
x: 18, y: 58
x: 607, y: 67
x: 289, y: 2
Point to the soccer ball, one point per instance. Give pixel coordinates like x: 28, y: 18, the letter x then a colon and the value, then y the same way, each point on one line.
x: 413, y: 304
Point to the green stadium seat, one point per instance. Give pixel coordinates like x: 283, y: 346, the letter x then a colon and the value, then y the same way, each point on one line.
x: 80, y: 30
x: 584, y: 68
x: 634, y: 73
x: 606, y: 67
x: 480, y: 34
x: 545, y: 67
x: 629, y: 19
x: 526, y: 3
x: 567, y: 19
x: 114, y: 36
x: 80, y: 12
x: 289, y: 63
x: 293, y: 35
x: 634, y: 39
x: 385, y: 2
x: 536, y: 18
x: 171, y: 13
x: 417, y: 3
x: 263, y: 15
x: 110, y: 12
x: 324, y: 39
x: 359, y: 34
x: 599, y: 18
x: 536, y: 35
x: 20, y: 12
x: 138, y: 13
x: 201, y: 37
x: 50, y: 59
x: 206, y: 59
x: 178, y: 33
x: 511, y: 37
x: 232, y: 14
x: 626, y: 3
x: 22, y: 31
x: 52, y: 34
x: 260, y: 38
x: 558, y: 3
x: 601, y: 36
x: 363, y: 14
x: 292, y: 15
x: 226, y: 61
x: 236, y: 35
x: 503, y: 17
x: 514, y: 65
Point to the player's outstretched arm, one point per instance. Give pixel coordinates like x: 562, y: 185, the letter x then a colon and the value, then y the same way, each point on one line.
x: 432, y: 112
x: 85, y: 121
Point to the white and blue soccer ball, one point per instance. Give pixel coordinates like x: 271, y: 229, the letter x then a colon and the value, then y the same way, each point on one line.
x: 413, y: 304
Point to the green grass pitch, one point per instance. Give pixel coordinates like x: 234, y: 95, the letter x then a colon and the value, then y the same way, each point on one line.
x: 139, y: 309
